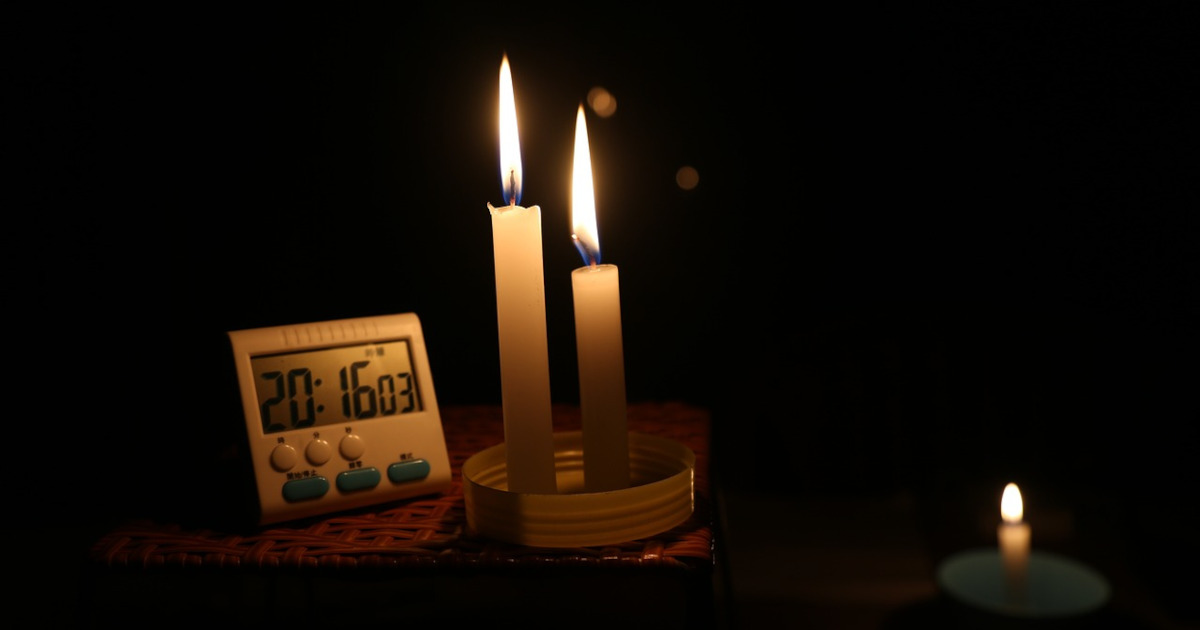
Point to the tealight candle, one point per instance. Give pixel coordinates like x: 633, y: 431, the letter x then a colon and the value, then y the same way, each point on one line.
x: 1014, y: 536
x: 597, y: 300
x: 521, y: 318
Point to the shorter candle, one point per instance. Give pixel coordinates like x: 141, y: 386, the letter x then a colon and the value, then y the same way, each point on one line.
x: 1014, y: 536
x: 597, y: 337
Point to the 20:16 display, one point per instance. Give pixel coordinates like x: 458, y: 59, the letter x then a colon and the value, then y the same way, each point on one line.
x: 373, y: 380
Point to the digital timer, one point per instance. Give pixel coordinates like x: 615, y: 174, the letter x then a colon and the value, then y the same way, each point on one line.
x: 339, y: 414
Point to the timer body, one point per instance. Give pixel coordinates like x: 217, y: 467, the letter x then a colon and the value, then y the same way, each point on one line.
x: 339, y: 414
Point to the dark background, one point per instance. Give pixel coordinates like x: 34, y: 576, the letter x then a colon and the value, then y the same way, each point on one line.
x: 934, y: 247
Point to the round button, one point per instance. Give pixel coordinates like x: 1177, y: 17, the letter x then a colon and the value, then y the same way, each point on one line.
x: 283, y: 457
x: 353, y: 446
x: 318, y: 452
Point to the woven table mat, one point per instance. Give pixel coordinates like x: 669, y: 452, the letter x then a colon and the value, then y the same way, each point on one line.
x: 430, y: 531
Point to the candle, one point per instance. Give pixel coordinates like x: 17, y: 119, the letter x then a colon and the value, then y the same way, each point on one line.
x: 596, y: 293
x: 521, y: 317
x: 1014, y: 538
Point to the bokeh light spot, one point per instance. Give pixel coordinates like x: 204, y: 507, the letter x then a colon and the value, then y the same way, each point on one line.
x: 687, y: 177
x: 602, y: 102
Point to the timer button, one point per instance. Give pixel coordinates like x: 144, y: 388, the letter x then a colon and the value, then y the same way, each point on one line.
x: 306, y: 488
x: 353, y: 446
x: 409, y: 470
x: 358, y: 479
x: 283, y: 457
x: 318, y: 452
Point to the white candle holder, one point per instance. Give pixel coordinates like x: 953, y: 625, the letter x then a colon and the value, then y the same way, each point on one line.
x: 1057, y: 587
x: 660, y: 496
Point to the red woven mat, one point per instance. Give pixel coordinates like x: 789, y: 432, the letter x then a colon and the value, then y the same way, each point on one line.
x: 430, y: 531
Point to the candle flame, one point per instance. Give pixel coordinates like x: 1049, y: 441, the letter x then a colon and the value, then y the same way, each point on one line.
x: 1012, y: 509
x: 510, y: 144
x: 583, y: 197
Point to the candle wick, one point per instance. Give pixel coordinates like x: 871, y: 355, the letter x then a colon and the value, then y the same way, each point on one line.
x: 512, y: 185
x: 588, y: 258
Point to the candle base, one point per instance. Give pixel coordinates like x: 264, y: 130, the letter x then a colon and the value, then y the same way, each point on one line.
x: 660, y: 496
x: 1056, y: 588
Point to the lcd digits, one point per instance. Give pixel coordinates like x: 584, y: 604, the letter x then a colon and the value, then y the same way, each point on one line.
x: 369, y: 381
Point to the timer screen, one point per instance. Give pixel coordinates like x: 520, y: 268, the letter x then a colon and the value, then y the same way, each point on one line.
x: 334, y: 385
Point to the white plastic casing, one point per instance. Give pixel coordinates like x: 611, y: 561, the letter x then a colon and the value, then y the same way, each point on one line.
x: 292, y: 465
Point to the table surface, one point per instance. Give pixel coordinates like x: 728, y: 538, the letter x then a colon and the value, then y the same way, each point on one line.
x: 843, y: 562
x: 428, y: 532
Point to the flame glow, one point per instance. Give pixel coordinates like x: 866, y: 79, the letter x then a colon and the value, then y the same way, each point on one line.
x: 583, y: 197
x: 1012, y: 509
x: 510, y: 144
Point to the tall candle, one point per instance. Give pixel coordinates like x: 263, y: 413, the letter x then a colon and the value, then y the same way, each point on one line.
x: 521, y: 317
x: 596, y: 291
x: 1014, y: 536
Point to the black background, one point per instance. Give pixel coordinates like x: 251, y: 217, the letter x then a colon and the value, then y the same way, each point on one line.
x: 934, y: 246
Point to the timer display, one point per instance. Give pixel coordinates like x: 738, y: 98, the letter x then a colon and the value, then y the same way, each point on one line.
x: 297, y: 390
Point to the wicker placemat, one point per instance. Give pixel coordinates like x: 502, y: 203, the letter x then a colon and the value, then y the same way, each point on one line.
x: 429, y: 531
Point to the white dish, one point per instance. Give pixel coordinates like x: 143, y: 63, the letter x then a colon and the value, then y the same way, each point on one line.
x: 1057, y: 586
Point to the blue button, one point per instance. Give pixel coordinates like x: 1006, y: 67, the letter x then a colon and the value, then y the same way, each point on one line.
x: 307, y: 488
x: 358, y: 479
x: 410, y: 470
